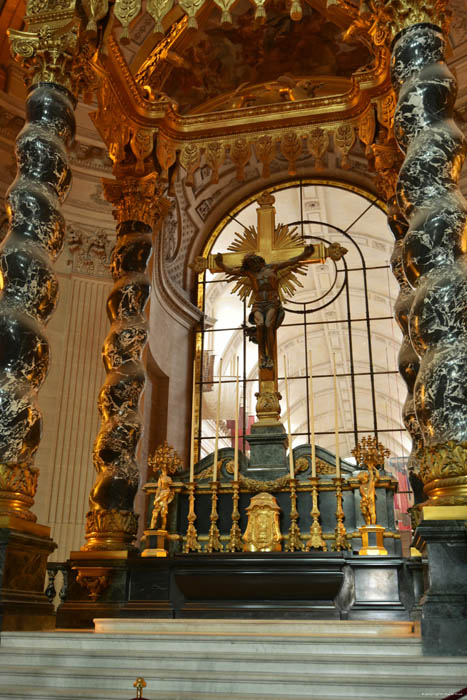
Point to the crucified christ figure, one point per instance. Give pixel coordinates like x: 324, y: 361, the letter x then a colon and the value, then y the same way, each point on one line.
x: 267, y: 312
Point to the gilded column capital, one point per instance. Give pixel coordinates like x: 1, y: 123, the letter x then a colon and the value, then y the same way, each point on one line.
x: 382, y: 20
x: 52, y: 50
x: 138, y: 199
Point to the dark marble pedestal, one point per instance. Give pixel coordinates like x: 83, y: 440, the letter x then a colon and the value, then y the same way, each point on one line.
x: 444, y: 606
x: 97, y: 587
x: 268, y: 445
x: 260, y: 585
x: 24, y: 549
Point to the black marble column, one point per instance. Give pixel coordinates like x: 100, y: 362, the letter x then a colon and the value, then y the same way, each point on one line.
x: 111, y: 521
x: 28, y: 285
x: 408, y: 359
x: 433, y: 253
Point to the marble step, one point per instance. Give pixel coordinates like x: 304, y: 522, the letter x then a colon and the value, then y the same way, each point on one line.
x: 229, y: 660
x: 32, y: 692
x: 191, y: 643
x: 260, y: 685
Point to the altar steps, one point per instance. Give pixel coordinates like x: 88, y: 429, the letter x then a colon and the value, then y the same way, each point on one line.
x: 241, y: 660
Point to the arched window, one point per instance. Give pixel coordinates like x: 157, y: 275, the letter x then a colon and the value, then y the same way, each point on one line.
x: 344, y: 310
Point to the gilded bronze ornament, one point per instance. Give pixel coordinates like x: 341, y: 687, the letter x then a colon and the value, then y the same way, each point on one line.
x: 235, y: 538
x: 214, y: 542
x: 263, y: 530
x: 316, y: 540
x: 341, y: 540
x: 191, y: 539
x: 294, y: 541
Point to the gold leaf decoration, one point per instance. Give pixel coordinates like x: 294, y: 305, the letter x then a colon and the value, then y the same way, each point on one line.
x: 318, y: 143
x: 142, y: 143
x: 265, y: 152
x: 225, y: 5
x: 166, y: 155
x: 190, y: 157
x: 158, y: 9
x: 215, y: 156
x: 240, y: 151
x: 191, y: 7
x: 344, y: 138
x: 291, y: 148
x: 126, y: 11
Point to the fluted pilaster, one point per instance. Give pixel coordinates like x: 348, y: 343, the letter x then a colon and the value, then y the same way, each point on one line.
x: 433, y: 254
x: 28, y: 285
x: 139, y: 209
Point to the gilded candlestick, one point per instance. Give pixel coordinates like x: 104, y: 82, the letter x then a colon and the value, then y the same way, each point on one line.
x: 316, y: 540
x: 340, y: 533
x: 294, y: 541
x: 191, y: 542
x: 235, y: 541
x: 214, y: 542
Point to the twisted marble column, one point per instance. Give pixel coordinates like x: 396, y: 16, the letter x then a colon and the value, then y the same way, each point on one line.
x: 434, y: 254
x: 408, y: 359
x: 29, y: 287
x: 139, y: 209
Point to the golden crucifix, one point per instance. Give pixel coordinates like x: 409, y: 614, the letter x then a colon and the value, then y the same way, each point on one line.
x: 264, y: 262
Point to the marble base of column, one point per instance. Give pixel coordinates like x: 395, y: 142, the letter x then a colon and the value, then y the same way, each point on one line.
x: 444, y: 620
x: 97, y: 587
x: 24, y: 549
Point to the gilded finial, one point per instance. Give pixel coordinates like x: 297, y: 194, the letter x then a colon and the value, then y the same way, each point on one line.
x: 139, y: 684
x: 266, y: 199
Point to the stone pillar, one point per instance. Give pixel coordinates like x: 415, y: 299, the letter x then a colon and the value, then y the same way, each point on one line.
x: 28, y: 296
x: 139, y: 209
x: 434, y: 254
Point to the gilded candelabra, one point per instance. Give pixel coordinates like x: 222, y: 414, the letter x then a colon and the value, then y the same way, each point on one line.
x: 294, y: 541
x: 369, y: 454
x: 235, y: 540
x: 316, y: 540
x: 214, y: 542
x: 340, y: 533
x: 164, y: 462
x: 191, y: 542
